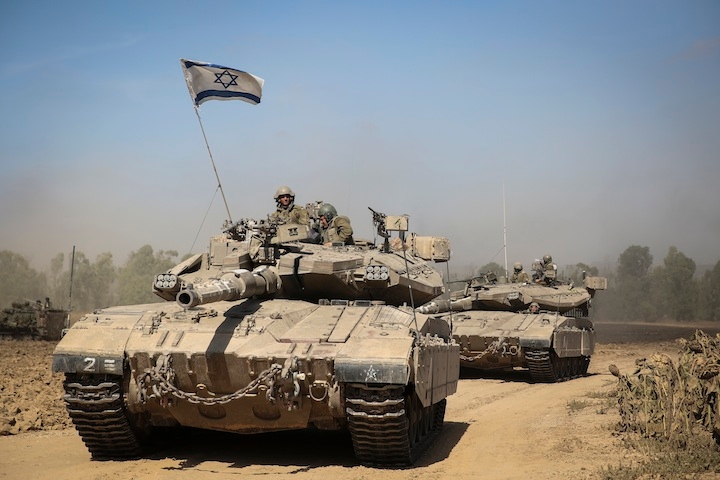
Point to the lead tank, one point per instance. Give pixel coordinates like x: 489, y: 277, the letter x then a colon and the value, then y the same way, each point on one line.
x: 265, y: 332
x: 544, y: 328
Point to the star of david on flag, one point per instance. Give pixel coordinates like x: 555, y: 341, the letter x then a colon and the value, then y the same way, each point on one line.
x: 207, y: 81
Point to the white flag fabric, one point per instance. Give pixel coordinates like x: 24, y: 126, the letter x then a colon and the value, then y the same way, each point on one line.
x: 207, y: 81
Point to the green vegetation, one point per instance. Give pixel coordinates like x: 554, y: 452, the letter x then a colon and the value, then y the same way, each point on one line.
x: 699, y: 459
x: 636, y: 291
x: 96, y: 284
x: 671, y: 291
x: 575, y: 406
x: 669, y: 412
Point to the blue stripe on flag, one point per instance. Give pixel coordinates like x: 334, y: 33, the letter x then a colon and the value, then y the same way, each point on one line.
x: 224, y: 95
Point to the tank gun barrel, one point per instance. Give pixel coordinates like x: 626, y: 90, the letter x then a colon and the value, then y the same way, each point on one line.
x: 442, y: 306
x: 230, y: 287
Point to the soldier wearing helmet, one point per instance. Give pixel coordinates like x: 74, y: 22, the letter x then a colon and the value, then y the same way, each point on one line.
x: 547, y: 275
x: 519, y: 275
x: 287, y: 211
x: 534, y: 307
x: 334, y: 227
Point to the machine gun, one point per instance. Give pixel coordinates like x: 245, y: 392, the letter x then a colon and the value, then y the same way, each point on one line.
x: 245, y: 228
x: 380, y: 224
x: 272, y: 236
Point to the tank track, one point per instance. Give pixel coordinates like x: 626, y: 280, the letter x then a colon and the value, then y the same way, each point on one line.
x: 97, y: 409
x: 389, y: 426
x: 546, y: 367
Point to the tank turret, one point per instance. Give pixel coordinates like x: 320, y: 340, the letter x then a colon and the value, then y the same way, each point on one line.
x: 396, y: 272
x: 269, y: 331
x: 487, y: 293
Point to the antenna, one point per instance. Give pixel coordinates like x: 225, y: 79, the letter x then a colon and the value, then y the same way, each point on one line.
x: 504, y: 232
x: 72, y: 270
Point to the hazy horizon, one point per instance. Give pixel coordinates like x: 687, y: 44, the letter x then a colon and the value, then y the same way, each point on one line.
x: 601, y: 120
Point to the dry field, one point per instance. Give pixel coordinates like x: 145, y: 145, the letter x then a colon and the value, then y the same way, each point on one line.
x: 502, y: 427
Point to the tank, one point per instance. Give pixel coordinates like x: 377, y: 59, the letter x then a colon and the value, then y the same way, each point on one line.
x: 32, y: 320
x: 543, y: 328
x: 266, y: 332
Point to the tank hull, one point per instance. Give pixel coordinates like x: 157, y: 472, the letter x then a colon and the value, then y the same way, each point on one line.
x: 553, y: 347
x: 259, y: 366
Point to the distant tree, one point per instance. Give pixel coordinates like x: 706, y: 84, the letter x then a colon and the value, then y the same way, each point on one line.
x: 56, y: 271
x: 709, y: 295
x: 635, y: 262
x: 19, y: 281
x: 677, y: 287
x: 629, y: 293
x: 104, y: 274
x: 575, y: 272
x: 136, y: 276
x: 92, y: 282
x: 491, y: 267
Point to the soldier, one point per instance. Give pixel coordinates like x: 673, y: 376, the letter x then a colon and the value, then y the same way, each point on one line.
x: 287, y: 211
x: 547, y: 275
x: 519, y: 275
x: 335, y: 228
x: 534, y: 308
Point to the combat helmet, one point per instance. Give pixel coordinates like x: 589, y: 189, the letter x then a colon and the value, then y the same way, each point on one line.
x: 327, y: 211
x: 517, y: 266
x: 547, y: 259
x: 284, y: 190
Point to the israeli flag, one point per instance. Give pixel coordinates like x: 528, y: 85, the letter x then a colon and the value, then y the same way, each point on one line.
x: 207, y: 81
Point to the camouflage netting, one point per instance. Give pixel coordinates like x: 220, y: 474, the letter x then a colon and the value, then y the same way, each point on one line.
x: 669, y: 400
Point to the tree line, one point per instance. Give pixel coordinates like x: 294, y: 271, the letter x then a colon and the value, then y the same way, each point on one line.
x: 670, y: 291
x: 637, y: 290
x: 95, y: 284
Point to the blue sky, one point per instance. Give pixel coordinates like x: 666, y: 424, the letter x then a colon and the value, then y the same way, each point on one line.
x: 601, y: 119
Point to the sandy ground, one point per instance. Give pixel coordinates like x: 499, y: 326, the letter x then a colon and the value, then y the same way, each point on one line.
x: 502, y: 427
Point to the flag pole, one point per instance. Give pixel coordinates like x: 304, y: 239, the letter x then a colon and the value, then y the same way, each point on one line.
x: 222, y: 192
x: 235, y: 84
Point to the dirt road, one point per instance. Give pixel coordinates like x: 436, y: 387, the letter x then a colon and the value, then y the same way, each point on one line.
x: 499, y: 428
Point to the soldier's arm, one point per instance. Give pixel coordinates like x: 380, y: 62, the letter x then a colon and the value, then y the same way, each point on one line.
x: 343, y: 228
x: 302, y: 217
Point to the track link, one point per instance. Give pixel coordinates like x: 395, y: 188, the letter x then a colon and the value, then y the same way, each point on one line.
x: 97, y: 408
x: 389, y: 426
x: 546, y: 367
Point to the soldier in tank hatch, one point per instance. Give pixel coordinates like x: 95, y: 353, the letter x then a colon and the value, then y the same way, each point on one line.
x: 519, y: 275
x: 287, y: 211
x: 334, y: 227
x: 546, y: 272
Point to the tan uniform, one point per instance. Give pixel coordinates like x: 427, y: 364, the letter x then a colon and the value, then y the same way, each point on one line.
x: 293, y: 214
x: 519, y: 277
x: 339, y: 230
x: 548, y: 275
